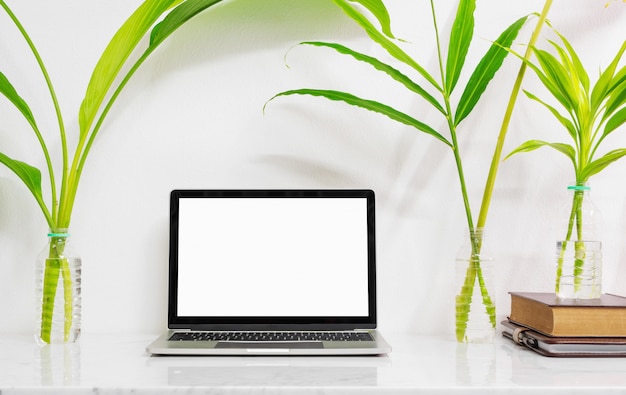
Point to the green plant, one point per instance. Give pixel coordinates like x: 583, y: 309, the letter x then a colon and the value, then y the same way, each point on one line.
x: 589, y: 114
x: 159, y: 18
x: 450, y: 68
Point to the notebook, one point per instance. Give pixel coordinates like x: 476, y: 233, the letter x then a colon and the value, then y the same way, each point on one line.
x: 556, y: 346
x: 271, y: 272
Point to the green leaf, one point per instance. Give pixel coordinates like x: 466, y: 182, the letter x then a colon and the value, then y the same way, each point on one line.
x: 545, y: 80
x: 558, y: 77
x: 619, y: 79
x: 486, y: 69
x: 532, y: 145
x: 114, y: 56
x: 384, y: 42
x: 615, y: 122
x: 604, y: 83
x: 575, y: 61
x: 569, y: 126
x: 116, y: 53
x: 171, y: 22
x: 378, y: 9
x: 600, y: 164
x: 31, y: 177
x: 377, y: 64
x: 177, y: 17
x: 575, y: 85
x: 460, y: 40
x: 617, y: 99
x: 10, y: 93
x: 368, y: 105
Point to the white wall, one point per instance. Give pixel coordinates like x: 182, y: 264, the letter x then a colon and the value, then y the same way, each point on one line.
x: 192, y: 118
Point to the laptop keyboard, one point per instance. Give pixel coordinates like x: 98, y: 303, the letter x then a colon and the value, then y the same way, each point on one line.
x: 271, y: 336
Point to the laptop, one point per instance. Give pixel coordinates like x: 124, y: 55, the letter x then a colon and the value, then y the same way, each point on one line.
x: 271, y: 272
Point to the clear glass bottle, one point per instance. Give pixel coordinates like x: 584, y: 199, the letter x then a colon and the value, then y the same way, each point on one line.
x: 579, y: 248
x: 475, y: 282
x: 58, y: 291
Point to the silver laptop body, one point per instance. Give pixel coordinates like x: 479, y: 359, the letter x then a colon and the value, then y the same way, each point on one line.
x: 271, y: 272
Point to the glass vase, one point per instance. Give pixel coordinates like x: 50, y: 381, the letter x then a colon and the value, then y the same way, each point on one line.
x: 579, y: 253
x: 58, y: 292
x: 475, y: 280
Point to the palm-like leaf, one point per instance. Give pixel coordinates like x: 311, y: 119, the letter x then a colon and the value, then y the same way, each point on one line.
x: 486, y: 69
x: 178, y: 16
x: 378, y: 9
x: 30, y: 176
x: 368, y: 105
x: 115, y: 55
x: 462, y: 35
x: 459, y: 43
x: 558, y: 75
x: 7, y: 90
x: 615, y: 122
x: 569, y: 55
x: 569, y: 126
x: 93, y: 107
x: 615, y: 101
x: 460, y: 40
x: 601, y: 163
x: 532, y: 145
x: 606, y: 83
x: 378, y: 65
x: 567, y: 81
x: 385, y: 42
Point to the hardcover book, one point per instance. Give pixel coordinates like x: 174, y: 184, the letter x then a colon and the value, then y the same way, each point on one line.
x: 553, y: 316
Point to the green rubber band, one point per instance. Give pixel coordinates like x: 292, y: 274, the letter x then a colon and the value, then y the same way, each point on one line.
x: 58, y: 234
x: 579, y: 188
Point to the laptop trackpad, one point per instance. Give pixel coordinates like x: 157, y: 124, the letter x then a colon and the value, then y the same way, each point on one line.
x: 277, y: 345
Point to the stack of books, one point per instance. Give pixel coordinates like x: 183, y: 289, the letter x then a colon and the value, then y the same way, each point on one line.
x: 557, y: 327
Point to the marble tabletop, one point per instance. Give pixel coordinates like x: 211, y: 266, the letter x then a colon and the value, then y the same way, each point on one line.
x: 118, y: 364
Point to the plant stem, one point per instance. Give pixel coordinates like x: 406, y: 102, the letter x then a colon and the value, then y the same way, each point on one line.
x: 68, y: 298
x: 50, y: 283
x: 473, y: 274
x: 464, y: 301
x: 568, y: 236
x: 575, y: 223
x: 474, y: 270
x: 493, y: 170
x: 451, y: 127
x: 82, y: 151
x: 56, y: 271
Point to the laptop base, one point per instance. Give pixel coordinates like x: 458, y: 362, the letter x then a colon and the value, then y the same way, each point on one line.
x: 163, y: 346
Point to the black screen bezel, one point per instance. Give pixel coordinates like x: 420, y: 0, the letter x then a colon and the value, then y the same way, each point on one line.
x: 270, y: 323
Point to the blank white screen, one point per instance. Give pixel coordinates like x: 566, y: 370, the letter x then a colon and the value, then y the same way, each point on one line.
x: 272, y: 257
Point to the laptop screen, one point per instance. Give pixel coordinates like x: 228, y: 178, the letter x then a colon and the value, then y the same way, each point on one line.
x: 272, y: 258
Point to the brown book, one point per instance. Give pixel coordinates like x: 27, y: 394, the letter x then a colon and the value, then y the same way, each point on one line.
x: 552, y: 316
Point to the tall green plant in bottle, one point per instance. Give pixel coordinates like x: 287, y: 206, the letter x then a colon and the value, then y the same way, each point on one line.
x: 443, y: 83
x: 156, y: 18
x: 588, y: 114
